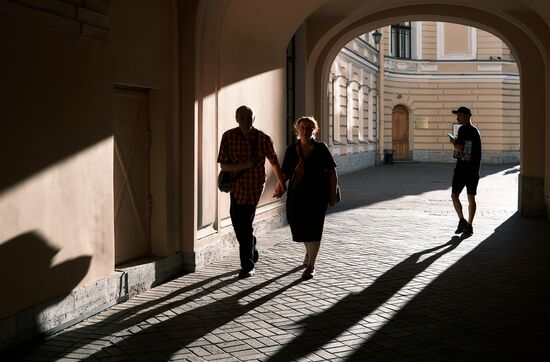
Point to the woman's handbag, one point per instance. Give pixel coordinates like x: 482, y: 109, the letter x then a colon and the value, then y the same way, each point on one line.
x: 224, y: 181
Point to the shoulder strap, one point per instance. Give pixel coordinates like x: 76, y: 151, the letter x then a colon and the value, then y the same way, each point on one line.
x: 299, y: 151
x: 255, y: 141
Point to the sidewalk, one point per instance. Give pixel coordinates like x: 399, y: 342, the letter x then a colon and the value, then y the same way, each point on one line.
x: 393, y: 283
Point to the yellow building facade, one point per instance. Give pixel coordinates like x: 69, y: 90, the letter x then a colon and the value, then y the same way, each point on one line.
x: 429, y: 69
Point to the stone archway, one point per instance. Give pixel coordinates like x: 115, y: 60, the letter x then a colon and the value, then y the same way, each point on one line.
x: 525, y: 47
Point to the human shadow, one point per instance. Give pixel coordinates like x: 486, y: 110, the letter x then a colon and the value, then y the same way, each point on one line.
x: 378, y: 184
x: 33, y: 284
x: 128, y: 317
x: 161, y: 340
x: 491, y: 305
x: 512, y: 170
x: 324, y: 327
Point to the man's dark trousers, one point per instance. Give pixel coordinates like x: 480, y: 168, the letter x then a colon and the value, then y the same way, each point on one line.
x: 242, y: 217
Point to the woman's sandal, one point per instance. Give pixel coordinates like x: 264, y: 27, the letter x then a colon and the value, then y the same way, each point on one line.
x: 308, y: 273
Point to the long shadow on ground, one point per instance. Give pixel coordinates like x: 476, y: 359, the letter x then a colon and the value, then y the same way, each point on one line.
x: 323, y: 328
x: 163, y: 339
x: 127, y: 317
x: 492, y: 305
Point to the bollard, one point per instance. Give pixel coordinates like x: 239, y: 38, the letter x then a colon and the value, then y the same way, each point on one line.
x: 388, y: 157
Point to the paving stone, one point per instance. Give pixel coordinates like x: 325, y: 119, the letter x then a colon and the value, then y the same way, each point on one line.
x: 393, y: 283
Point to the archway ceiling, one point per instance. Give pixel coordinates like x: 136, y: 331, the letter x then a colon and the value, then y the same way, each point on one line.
x: 358, y: 8
x: 269, y: 25
x: 533, y: 16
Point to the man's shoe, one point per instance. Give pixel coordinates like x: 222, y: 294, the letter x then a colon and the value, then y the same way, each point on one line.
x: 256, y: 255
x: 468, y: 230
x: 246, y: 274
x: 461, y: 225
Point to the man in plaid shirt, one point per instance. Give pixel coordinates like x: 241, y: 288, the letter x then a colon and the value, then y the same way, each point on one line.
x: 243, y: 151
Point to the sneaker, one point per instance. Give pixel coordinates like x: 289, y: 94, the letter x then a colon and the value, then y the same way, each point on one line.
x: 308, y: 273
x: 246, y: 274
x: 468, y: 230
x: 461, y: 225
x: 256, y: 255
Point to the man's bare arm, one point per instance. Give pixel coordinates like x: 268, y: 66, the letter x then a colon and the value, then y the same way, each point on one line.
x: 236, y: 166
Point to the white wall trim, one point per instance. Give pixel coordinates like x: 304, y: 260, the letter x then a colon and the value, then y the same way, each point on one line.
x: 349, y: 104
x: 417, y: 40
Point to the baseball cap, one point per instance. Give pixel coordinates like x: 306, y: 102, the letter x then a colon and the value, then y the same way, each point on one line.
x: 463, y: 110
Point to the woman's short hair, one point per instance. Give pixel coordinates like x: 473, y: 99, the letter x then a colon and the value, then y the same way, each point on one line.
x: 310, y: 121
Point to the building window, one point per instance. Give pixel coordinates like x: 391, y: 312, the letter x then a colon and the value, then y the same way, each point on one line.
x: 401, y: 40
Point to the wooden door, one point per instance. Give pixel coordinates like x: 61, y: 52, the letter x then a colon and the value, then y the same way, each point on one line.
x: 400, y: 133
x: 131, y: 175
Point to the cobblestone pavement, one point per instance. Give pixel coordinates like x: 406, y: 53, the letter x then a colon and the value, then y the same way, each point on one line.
x: 393, y: 283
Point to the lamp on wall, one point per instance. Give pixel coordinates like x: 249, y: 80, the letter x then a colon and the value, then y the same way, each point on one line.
x: 376, y: 36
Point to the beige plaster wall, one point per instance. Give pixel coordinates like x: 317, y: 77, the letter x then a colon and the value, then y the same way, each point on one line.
x: 494, y: 104
x: 57, y: 199
x: 547, y: 153
x: 241, y: 59
x: 142, y: 44
x: 263, y: 90
x: 456, y: 39
x: 269, y: 108
x: 489, y: 46
x: 56, y: 204
x: 429, y: 40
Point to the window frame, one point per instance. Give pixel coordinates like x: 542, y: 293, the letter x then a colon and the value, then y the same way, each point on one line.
x: 401, y: 40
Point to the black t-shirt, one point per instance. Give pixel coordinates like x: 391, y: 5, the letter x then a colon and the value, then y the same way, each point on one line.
x: 315, y: 181
x: 470, y: 140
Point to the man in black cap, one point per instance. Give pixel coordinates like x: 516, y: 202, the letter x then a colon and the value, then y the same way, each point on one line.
x: 467, y: 151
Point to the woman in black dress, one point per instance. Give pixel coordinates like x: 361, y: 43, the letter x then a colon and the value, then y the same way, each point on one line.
x: 311, y: 171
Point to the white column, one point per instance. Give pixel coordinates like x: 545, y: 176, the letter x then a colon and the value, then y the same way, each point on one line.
x: 361, y: 107
x: 336, y: 110
x: 370, y: 109
x: 349, y: 111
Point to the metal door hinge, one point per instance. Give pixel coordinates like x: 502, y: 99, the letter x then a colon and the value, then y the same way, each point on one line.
x: 149, y: 205
x: 149, y: 138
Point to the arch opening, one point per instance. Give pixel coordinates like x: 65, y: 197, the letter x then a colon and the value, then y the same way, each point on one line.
x: 403, y: 108
x: 524, y: 50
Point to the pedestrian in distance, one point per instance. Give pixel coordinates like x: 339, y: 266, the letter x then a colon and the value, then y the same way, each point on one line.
x: 243, y: 151
x: 467, y: 151
x: 311, y: 172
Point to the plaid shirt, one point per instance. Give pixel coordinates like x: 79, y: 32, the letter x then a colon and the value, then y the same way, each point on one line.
x: 235, y: 148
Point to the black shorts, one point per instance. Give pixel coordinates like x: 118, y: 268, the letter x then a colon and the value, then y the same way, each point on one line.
x: 468, y: 179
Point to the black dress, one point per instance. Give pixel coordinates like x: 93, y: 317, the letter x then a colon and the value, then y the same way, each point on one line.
x: 308, y: 194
